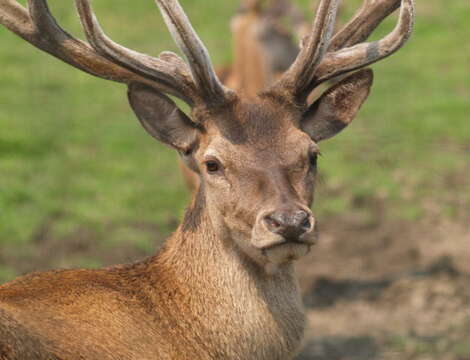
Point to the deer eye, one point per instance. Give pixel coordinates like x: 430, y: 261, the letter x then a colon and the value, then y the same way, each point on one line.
x: 212, y: 166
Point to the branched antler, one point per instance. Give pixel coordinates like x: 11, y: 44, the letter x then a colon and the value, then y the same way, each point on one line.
x: 323, y: 57
x: 358, y: 56
x: 198, y: 57
x: 300, y: 75
x: 106, y: 59
x: 364, y: 22
x: 169, y: 69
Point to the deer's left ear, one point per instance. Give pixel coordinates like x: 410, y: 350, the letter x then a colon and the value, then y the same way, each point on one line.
x: 338, y: 106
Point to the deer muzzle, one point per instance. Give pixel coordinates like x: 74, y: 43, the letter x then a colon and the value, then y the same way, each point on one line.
x: 283, y: 227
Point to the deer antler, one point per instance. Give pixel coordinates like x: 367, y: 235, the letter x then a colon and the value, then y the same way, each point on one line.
x: 169, y: 69
x: 104, y: 58
x: 323, y: 58
x: 366, y: 20
x: 194, y: 50
x: 301, y: 74
x: 361, y: 55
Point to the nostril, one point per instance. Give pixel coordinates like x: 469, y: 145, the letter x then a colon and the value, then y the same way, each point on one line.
x: 272, y: 224
x: 306, y: 224
x: 303, y: 221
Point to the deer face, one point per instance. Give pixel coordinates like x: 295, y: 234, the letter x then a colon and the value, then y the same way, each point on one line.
x: 257, y: 161
x: 257, y: 172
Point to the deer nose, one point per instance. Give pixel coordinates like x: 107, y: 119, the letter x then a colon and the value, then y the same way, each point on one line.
x: 289, y: 224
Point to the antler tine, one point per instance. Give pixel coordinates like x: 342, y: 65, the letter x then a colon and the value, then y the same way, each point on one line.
x: 16, y: 18
x: 364, y: 54
x: 207, y: 82
x: 38, y: 27
x: 300, y: 75
x: 366, y: 20
x: 173, y: 73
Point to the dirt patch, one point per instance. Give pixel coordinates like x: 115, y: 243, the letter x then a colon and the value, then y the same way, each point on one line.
x: 394, y: 290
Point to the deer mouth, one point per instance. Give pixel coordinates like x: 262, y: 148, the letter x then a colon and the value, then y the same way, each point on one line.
x: 266, y: 241
x: 279, y: 243
x: 287, y: 251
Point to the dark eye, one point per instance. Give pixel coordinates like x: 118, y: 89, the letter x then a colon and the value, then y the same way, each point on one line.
x: 313, y: 158
x: 212, y: 166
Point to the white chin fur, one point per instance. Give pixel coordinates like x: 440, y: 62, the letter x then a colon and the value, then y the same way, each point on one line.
x: 286, y: 253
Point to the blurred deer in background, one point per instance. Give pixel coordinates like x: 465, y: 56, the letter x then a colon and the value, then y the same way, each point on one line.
x: 223, y: 286
x: 263, y: 47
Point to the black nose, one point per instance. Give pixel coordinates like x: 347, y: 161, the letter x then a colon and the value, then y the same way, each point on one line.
x: 289, y: 224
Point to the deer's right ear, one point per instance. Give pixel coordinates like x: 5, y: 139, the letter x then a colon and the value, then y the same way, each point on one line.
x: 162, y: 118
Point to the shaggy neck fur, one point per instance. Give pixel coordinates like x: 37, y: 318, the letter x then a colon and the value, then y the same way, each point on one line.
x: 234, y: 308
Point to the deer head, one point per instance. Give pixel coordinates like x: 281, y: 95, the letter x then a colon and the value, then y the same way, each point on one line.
x: 256, y: 158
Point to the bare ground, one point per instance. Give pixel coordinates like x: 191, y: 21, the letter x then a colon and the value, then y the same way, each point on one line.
x: 390, y: 290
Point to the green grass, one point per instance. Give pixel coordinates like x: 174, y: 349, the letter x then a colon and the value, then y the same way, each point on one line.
x: 71, y: 149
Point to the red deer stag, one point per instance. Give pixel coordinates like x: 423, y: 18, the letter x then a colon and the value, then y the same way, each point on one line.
x: 223, y: 285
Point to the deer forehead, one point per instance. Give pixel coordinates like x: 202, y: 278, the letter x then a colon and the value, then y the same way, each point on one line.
x: 284, y: 147
x: 249, y: 123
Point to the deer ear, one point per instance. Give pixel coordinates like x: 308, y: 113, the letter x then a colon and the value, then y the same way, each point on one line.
x: 162, y: 119
x: 338, y: 106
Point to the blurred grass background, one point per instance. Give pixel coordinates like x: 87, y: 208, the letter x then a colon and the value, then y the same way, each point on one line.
x: 75, y: 163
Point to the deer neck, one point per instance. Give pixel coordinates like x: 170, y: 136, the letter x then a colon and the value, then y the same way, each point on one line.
x: 202, y: 249
x: 231, y: 294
